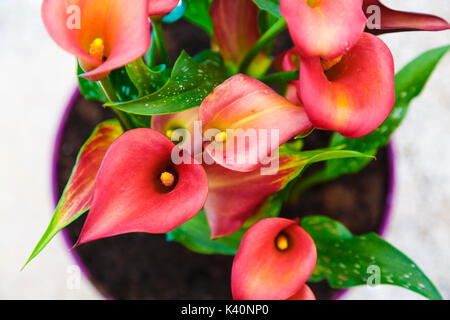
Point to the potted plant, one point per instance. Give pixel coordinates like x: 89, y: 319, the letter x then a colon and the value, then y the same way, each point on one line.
x: 210, y: 151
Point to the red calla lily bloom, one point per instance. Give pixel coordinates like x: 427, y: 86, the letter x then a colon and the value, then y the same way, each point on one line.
x: 161, y: 7
x: 324, y: 28
x: 355, y: 95
x: 139, y: 189
x: 396, y: 21
x: 247, y: 121
x: 235, y: 26
x: 103, y: 34
x: 275, y: 258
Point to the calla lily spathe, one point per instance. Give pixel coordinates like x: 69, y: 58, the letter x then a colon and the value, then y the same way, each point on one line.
x: 235, y: 26
x: 161, y: 7
x: 356, y: 94
x: 325, y: 28
x: 103, y: 34
x: 139, y: 189
x: 275, y: 258
x: 253, y: 121
x: 395, y: 21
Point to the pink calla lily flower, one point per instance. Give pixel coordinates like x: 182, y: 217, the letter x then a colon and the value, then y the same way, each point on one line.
x: 247, y: 121
x: 139, y: 189
x: 324, y: 28
x: 103, y: 34
x: 395, y: 21
x: 275, y: 258
x: 356, y: 93
x: 161, y: 7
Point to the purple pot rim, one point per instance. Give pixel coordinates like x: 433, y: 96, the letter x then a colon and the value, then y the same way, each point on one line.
x: 54, y: 182
x: 54, y: 177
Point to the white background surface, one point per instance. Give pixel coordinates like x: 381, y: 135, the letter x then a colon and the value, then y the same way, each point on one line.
x: 37, y: 79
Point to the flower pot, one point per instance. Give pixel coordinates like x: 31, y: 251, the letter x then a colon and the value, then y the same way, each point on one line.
x: 145, y: 266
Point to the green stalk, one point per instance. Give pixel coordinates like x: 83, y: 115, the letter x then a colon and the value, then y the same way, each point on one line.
x: 280, y: 77
x: 273, y: 31
x: 303, y: 184
x: 150, y: 56
x: 105, y: 84
x: 160, y: 43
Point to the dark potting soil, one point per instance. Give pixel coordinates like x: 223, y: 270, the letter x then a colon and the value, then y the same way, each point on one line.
x: 144, y: 266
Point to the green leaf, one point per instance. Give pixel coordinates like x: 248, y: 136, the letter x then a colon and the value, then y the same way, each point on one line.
x: 326, y: 154
x: 189, y: 84
x: 347, y: 261
x: 197, y: 12
x: 195, y: 235
x: 409, y: 83
x: 122, y: 85
x: 77, y: 196
x: 120, y: 82
x: 271, y: 6
x: 146, y: 80
x: 90, y: 89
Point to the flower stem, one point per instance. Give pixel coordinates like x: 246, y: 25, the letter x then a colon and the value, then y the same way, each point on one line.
x: 159, y: 40
x: 273, y: 31
x: 280, y: 77
x: 304, y: 184
x: 150, y: 56
x: 105, y: 84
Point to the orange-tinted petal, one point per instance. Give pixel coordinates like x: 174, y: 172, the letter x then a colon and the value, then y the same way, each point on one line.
x: 305, y: 293
x: 123, y: 29
x: 255, y: 118
x: 132, y: 193
x: 161, y: 7
x: 395, y: 21
x: 325, y: 28
x: 261, y: 271
x: 289, y: 60
x: 292, y: 94
x: 235, y: 196
x: 356, y: 95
